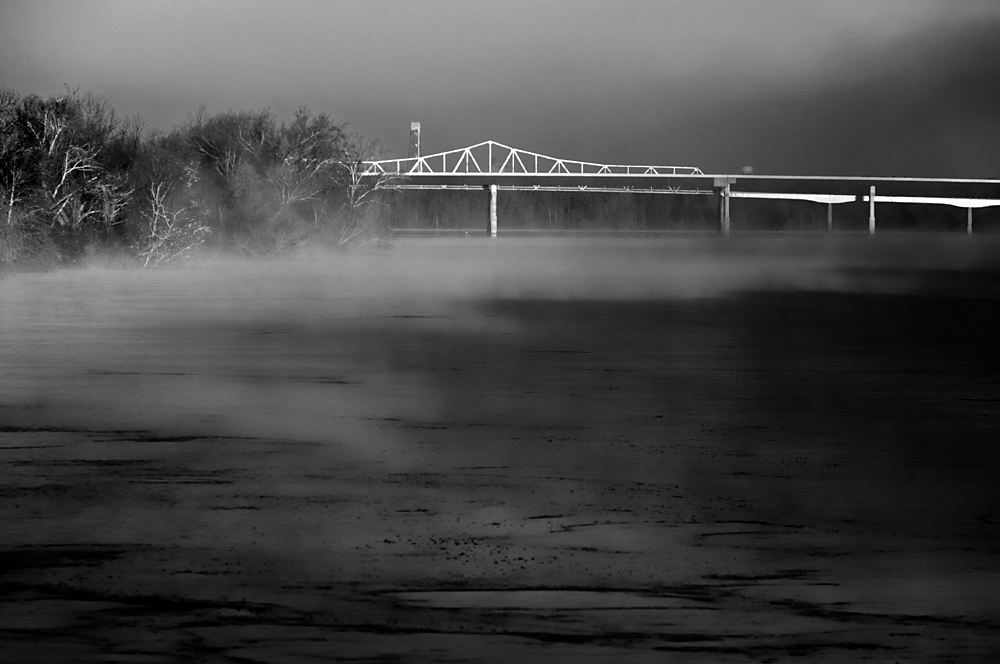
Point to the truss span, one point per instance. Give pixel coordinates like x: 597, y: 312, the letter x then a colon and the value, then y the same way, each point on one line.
x: 496, y: 159
x: 635, y: 189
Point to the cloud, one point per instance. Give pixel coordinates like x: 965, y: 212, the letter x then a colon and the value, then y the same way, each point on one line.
x: 922, y: 105
x: 925, y: 105
x: 787, y: 86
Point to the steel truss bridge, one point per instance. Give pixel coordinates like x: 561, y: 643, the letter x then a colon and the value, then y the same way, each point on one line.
x: 494, y: 166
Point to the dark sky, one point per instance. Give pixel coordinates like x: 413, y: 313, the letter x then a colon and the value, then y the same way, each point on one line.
x: 895, y: 87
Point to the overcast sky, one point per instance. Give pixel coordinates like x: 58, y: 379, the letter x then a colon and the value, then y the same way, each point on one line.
x: 899, y: 87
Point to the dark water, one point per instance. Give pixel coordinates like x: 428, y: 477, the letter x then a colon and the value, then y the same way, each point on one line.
x: 545, y: 449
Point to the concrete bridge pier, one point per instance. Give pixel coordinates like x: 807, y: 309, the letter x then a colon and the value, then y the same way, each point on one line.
x: 724, y: 196
x: 871, y: 211
x: 725, y: 210
x: 493, y: 210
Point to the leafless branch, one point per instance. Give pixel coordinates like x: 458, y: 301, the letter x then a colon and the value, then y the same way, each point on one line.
x: 172, y: 232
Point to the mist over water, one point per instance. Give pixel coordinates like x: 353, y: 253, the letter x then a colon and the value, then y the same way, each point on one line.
x: 550, y: 449
x: 203, y: 347
x: 801, y: 425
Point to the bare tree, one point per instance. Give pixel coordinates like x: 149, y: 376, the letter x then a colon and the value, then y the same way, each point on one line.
x: 63, y: 139
x: 271, y: 179
x: 361, y: 220
x: 22, y: 235
x: 14, y: 189
x: 22, y: 228
x: 299, y: 176
x: 172, y: 231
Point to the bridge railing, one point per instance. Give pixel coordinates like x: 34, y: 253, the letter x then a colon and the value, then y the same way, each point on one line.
x: 492, y: 158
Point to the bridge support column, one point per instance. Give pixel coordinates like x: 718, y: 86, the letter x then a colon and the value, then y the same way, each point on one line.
x: 725, y: 213
x: 724, y: 210
x: 724, y: 191
x: 968, y: 223
x: 829, y: 217
x: 493, y: 210
x: 871, y: 211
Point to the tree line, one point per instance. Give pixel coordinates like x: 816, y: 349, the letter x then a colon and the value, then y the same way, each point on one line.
x: 75, y: 179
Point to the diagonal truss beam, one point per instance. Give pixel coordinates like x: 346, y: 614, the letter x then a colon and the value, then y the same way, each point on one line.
x: 492, y: 158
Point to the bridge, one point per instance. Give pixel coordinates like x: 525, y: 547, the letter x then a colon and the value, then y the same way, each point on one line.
x: 495, y: 167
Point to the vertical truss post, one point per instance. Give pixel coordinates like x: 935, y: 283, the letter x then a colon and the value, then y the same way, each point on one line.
x: 493, y: 210
x: 871, y: 211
